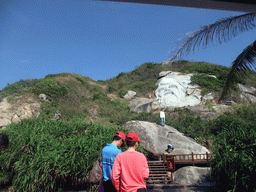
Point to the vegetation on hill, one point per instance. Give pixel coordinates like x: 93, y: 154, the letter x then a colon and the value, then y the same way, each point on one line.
x: 91, y: 112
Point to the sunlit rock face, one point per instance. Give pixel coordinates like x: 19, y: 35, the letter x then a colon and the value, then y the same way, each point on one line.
x: 175, y: 89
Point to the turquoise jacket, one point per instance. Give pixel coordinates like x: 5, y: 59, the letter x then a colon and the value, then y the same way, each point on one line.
x: 108, y: 155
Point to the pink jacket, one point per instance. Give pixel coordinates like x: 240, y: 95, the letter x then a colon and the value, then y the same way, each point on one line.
x: 132, y: 169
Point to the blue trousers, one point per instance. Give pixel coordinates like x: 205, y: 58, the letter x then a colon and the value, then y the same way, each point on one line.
x: 163, y: 121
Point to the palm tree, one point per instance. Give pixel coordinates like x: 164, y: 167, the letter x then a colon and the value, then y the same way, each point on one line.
x: 224, y: 30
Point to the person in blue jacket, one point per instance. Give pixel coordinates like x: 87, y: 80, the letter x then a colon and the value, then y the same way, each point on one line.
x: 108, y: 155
x: 170, y: 148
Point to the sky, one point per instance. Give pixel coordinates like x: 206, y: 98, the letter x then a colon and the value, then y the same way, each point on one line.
x: 100, y: 39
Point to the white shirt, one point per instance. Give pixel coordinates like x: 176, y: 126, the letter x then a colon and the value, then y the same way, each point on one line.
x: 162, y: 115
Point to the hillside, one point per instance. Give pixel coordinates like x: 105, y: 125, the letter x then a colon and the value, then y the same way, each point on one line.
x: 76, y: 96
x: 100, y: 102
x: 91, y: 111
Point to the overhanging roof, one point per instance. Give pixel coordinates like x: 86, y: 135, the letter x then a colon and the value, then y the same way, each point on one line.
x: 228, y: 5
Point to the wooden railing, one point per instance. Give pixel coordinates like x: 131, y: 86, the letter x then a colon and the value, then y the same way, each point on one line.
x: 188, y: 158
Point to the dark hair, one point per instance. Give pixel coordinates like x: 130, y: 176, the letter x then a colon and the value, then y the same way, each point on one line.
x: 130, y: 143
x: 4, y: 139
x: 116, y: 138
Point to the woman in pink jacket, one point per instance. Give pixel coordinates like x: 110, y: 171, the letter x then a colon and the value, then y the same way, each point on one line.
x: 130, y: 169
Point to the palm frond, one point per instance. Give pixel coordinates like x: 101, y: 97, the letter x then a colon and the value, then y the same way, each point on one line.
x: 244, y: 62
x: 222, y: 30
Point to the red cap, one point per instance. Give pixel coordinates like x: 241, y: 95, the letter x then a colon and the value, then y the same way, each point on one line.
x: 132, y: 137
x: 122, y: 136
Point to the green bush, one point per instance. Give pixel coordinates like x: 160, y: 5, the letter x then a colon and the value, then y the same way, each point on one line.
x: 207, y: 82
x: 181, y: 61
x: 150, y: 65
x: 122, y: 93
x: 57, y: 75
x: 53, y: 89
x: 80, y: 80
x: 135, y: 72
x: 45, y: 155
x: 234, y: 162
x: 111, y: 88
x: 120, y: 75
x: 18, y: 87
x: 99, y: 96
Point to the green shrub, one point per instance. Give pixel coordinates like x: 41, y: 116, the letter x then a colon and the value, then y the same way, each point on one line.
x: 122, y: 93
x: 207, y: 82
x: 111, y: 88
x: 80, y: 80
x: 99, y: 96
x: 233, y: 166
x: 57, y: 75
x: 135, y: 72
x: 150, y: 65
x: 120, y: 75
x: 53, y: 89
x: 18, y: 87
x: 181, y: 61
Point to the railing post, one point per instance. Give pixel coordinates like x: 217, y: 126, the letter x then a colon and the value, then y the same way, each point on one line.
x: 193, y: 158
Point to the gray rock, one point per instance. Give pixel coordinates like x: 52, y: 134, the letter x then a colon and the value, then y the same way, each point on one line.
x: 154, y: 138
x: 57, y: 116
x: 130, y: 94
x: 209, y: 96
x: 192, y: 175
x: 43, y: 97
x: 15, y: 119
x: 164, y: 73
x: 220, y: 109
x: 139, y: 105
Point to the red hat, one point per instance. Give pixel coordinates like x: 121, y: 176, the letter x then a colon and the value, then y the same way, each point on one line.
x: 132, y: 137
x: 122, y: 136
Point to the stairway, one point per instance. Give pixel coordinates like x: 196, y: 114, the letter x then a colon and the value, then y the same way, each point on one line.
x: 158, y: 174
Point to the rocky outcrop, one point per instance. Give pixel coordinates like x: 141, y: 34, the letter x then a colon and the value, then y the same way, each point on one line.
x: 139, y: 105
x: 209, y: 96
x: 154, y: 138
x: 14, y: 112
x: 130, y: 94
x: 43, y: 97
x: 192, y: 175
x: 57, y: 116
x: 209, y: 113
x: 175, y: 89
x: 247, y: 94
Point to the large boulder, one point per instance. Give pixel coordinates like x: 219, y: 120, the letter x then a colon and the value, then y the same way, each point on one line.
x: 175, y: 89
x: 130, y: 94
x: 154, y: 138
x: 139, y: 105
x: 192, y: 175
x: 247, y: 94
